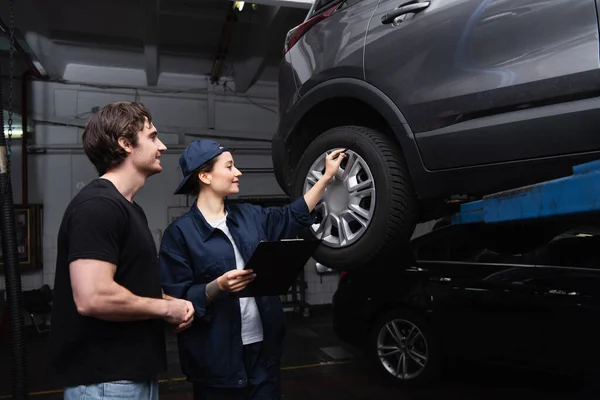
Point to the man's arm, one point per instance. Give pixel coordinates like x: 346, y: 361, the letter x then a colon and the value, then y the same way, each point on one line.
x: 96, y: 228
x: 96, y: 294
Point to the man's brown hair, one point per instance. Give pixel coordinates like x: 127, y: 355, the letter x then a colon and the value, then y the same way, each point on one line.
x: 103, y: 130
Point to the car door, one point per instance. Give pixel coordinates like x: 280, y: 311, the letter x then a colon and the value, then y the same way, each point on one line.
x: 483, y: 304
x: 483, y: 81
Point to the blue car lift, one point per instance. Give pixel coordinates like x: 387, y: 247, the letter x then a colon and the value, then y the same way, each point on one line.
x: 575, y: 194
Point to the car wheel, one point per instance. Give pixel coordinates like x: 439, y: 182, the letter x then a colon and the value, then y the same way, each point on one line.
x: 404, y: 349
x: 369, y: 207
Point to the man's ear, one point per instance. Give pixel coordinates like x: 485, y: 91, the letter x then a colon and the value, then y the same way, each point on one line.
x: 204, y: 177
x: 125, y: 144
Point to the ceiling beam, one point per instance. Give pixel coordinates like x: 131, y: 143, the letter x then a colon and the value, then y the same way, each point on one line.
x: 267, y: 36
x: 224, y: 44
x: 34, y: 28
x: 151, y: 43
x: 47, y: 54
x: 30, y: 58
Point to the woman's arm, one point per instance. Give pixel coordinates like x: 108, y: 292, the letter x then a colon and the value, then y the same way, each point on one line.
x: 288, y: 221
x: 332, y: 166
x: 231, y: 281
x: 177, y: 277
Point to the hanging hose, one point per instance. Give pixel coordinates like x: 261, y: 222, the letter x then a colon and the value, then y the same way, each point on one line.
x: 14, y: 297
x: 9, y: 244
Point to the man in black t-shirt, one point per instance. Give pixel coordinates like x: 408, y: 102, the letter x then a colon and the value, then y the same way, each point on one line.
x: 108, y: 320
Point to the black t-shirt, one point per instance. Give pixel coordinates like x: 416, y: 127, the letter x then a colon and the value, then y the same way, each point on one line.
x: 101, y: 224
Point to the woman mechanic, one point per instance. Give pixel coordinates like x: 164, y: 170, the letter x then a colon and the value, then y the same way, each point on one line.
x: 233, y: 348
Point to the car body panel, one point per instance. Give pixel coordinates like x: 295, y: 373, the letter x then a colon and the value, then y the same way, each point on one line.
x: 474, y: 111
x: 287, y: 92
x: 478, y: 180
x: 483, y: 82
x: 333, y: 48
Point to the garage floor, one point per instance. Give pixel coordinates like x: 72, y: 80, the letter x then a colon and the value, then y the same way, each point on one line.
x: 317, y: 366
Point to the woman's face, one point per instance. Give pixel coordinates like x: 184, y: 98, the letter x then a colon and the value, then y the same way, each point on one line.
x: 224, y: 177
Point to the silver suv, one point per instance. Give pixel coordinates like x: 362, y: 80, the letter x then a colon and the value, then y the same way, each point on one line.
x: 436, y: 101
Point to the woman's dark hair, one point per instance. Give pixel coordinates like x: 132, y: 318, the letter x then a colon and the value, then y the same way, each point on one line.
x: 192, y: 187
x: 103, y: 130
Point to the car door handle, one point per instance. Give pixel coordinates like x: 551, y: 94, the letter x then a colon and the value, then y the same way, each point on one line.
x: 402, y: 9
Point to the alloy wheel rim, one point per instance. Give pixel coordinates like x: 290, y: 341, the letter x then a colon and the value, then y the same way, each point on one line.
x: 346, y: 209
x: 402, y: 349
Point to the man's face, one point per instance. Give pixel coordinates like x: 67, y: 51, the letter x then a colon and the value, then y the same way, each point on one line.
x: 145, y: 156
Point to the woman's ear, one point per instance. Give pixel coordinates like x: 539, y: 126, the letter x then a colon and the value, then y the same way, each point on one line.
x: 204, y: 177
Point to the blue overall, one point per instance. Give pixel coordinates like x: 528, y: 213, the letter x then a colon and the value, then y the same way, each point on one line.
x: 192, y: 254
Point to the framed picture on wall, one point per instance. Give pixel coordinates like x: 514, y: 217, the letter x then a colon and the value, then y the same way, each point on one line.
x: 28, y: 227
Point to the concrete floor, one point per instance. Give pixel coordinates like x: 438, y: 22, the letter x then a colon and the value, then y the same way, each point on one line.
x: 317, y: 366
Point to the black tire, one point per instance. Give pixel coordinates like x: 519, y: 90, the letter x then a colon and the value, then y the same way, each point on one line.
x: 396, y: 209
x: 427, y: 344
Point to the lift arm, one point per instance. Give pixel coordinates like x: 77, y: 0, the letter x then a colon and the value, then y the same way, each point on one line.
x: 575, y: 194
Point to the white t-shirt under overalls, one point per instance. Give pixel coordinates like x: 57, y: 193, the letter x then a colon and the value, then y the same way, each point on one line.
x: 252, y: 330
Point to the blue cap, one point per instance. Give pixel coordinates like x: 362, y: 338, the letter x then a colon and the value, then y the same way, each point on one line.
x: 195, y: 155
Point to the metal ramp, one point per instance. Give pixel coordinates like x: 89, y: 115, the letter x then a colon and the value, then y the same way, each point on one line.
x: 575, y: 194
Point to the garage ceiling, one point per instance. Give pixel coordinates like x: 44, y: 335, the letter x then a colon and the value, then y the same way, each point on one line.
x: 147, y: 40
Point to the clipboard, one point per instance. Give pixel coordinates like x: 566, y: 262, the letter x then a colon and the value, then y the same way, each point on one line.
x: 276, y: 265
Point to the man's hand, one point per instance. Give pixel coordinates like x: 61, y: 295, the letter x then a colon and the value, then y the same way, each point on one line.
x: 235, y: 280
x: 179, y: 311
x: 184, y: 325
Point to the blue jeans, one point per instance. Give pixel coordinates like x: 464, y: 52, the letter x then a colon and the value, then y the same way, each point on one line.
x: 143, y: 390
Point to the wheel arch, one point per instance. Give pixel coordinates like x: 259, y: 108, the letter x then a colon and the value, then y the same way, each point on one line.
x: 389, y: 306
x: 345, y: 101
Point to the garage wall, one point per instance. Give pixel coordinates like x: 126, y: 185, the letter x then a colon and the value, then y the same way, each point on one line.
x: 59, y: 168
